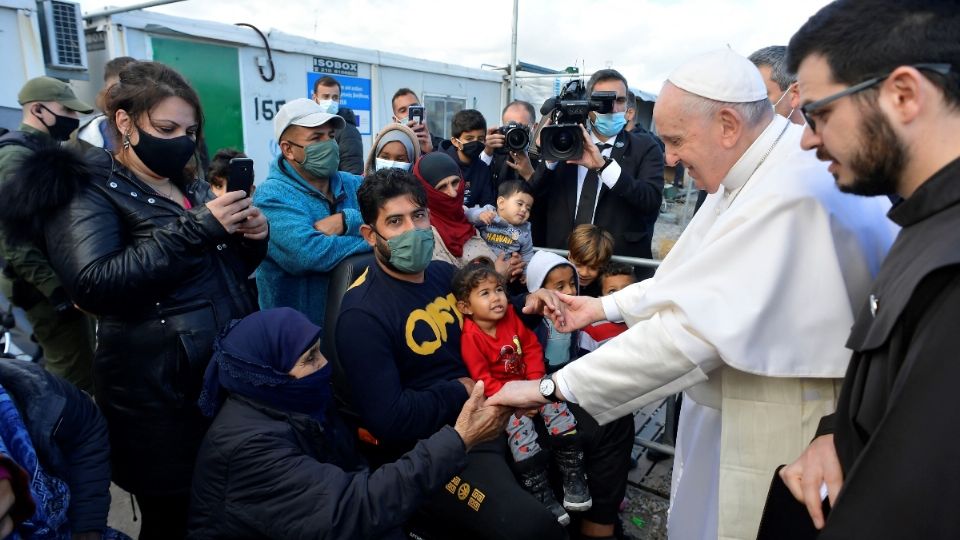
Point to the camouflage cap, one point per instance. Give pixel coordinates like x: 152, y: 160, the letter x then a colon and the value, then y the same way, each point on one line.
x: 50, y: 89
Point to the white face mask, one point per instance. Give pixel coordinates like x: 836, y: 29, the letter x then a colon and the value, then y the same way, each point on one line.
x: 329, y: 106
x: 785, y: 94
x: 387, y: 164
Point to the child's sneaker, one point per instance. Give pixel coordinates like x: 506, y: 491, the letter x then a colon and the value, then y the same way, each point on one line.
x: 569, y: 457
x: 534, y: 479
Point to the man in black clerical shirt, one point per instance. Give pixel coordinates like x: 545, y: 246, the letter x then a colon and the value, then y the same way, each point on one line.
x: 880, y: 91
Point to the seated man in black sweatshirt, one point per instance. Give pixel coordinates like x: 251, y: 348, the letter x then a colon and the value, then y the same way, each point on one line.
x: 398, y: 338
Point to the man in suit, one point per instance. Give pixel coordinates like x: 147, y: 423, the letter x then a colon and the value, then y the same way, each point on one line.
x: 617, y: 183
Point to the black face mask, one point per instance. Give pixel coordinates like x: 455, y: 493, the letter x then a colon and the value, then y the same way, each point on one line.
x: 62, y: 126
x: 165, y: 157
x: 472, y: 149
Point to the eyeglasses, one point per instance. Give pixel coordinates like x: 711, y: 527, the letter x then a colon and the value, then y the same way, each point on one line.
x: 811, y: 108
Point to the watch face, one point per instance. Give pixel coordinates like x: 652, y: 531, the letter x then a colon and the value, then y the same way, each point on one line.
x: 546, y: 387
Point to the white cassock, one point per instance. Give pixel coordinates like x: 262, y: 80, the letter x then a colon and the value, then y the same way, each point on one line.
x: 748, y: 315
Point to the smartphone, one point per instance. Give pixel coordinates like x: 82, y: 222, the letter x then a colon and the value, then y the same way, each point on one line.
x: 240, y: 175
x: 415, y: 113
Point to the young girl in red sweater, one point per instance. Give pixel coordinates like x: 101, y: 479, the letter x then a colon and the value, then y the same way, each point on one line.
x: 497, y: 348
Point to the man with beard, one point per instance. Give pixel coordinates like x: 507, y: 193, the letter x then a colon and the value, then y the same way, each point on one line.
x: 881, y: 95
x: 747, y: 314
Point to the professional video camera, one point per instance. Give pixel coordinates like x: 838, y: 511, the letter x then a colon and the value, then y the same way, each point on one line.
x: 516, y: 137
x: 562, y: 140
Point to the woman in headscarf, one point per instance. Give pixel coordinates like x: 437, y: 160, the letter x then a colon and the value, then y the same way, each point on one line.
x: 395, y: 146
x: 455, y: 240
x: 277, y: 461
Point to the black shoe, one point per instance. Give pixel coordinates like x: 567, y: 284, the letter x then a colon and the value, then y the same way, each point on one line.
x: 569, y: 458
x: 534, y: 479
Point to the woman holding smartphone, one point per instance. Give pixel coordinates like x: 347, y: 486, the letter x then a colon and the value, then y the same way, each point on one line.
x: 146, y: 248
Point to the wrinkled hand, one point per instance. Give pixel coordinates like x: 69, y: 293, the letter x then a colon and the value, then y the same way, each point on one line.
x: 546, y: 303
x: 817, y: 465
x: 232, y: 209
x: 7, y: 499
x: 423, y: 135
x: 591, y: 158
x: 256, y: 226
x: 330, y: 225
x: 520, y: 396
x: 579, y: 312
x: 511, y: 267
x: 494, y: 140
x: 478, y: 421
x: 487, y: 216
x: 520, y: 162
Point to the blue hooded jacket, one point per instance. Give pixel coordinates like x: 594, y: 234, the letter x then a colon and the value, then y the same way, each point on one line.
x: 295, y: 272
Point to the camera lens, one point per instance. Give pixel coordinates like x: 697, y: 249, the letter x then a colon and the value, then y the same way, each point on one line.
x: 517, y: 139
x: 563, y: 141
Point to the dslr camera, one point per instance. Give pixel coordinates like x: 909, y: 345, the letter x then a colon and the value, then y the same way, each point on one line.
x: 562, y: 140
x: 516, y: 137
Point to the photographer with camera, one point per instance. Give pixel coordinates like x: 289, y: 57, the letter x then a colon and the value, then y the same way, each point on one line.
x: 507, y: 146
x: 606, y: 176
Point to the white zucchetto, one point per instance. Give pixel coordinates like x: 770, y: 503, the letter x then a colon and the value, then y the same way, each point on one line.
x: 720, y: 75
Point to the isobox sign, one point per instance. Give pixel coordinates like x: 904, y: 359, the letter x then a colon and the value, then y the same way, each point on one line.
x: 334, y: 66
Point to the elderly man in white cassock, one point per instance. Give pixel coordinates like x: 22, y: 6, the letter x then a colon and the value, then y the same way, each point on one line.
x: 749, y: 313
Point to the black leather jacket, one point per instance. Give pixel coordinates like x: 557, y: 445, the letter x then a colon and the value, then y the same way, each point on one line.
x: 162, y: 282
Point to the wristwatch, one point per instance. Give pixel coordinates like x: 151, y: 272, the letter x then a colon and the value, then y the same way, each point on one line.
x: 606, y: 163
x: 548, y: 388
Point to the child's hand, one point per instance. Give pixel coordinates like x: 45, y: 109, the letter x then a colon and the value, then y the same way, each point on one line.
x: 488, y: 216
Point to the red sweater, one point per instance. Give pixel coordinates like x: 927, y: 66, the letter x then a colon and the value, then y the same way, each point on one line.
x: 514, y: 355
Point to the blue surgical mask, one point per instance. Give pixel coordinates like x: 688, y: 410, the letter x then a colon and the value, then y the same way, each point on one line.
x: 329, y: 106
x: 388, y: 164
x: 610, y: 124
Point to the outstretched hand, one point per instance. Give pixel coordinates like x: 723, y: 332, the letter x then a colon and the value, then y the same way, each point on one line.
x: 545, y: 302
x: 520, y: 396
x: 479, y: 421
x: 579, y: 312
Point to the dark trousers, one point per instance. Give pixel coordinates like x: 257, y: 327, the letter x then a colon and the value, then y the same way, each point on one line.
x: 606, y: 454
x: 163, y: 517
x: 486, y: 501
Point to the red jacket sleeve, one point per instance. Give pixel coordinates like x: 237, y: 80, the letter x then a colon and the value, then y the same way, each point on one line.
x: 472, y: 350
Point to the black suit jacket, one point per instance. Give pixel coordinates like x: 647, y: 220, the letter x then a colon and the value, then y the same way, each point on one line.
x: 628, y: 211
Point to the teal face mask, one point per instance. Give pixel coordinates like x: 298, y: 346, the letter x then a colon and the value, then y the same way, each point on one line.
x: 321, y: 159
x: 410, y: 252
x: 610, y: 124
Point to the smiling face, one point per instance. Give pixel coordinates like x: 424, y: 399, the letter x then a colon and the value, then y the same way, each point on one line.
x: 515, y: 209
x: 688, y: 138
x: 865, y: 154
x: 487, y: 301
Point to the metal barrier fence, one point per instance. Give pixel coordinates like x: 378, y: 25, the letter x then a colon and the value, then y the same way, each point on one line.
x: 670, y: 420
x: 635, y: 261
